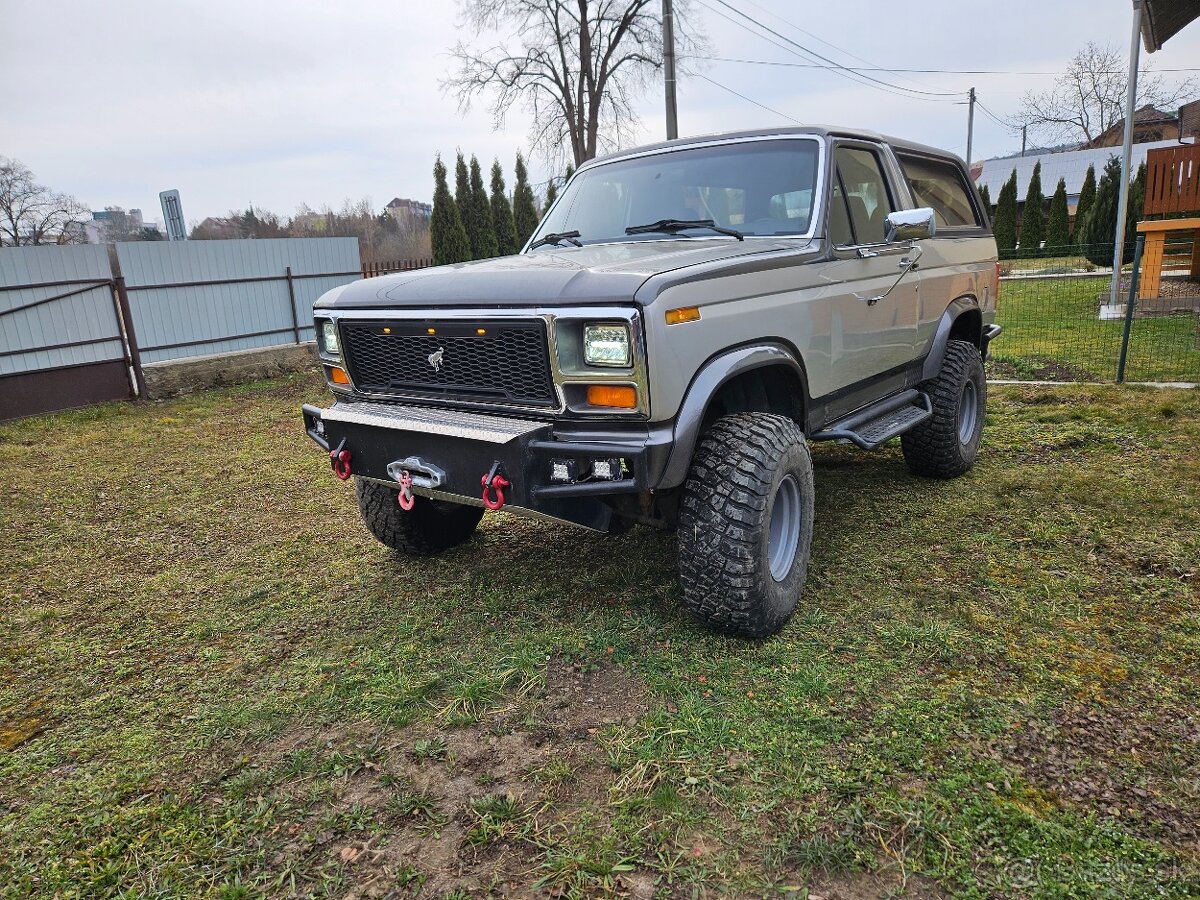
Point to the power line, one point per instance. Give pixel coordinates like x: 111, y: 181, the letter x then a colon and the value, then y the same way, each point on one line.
x: 836, y: 67
x: 863, y: 80
x: 816, y: 37
x: 991, y: 115
x: 748, y: 99
x: 795, y: 65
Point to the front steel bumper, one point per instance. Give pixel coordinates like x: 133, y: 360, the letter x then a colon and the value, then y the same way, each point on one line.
x: 448, y: 452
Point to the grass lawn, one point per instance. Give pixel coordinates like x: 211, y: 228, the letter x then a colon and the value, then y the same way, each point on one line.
x: 1051, y: 331
x: 214, y: 683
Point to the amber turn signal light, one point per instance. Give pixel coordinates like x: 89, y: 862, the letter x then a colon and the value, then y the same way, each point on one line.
x: 619, y: 397
x: 338, y: 376
x: 683, y: 314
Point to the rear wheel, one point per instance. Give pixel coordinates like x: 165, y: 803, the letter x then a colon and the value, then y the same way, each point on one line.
x: 946, y: 444
x: 430, y: 527
x: 745, y: 524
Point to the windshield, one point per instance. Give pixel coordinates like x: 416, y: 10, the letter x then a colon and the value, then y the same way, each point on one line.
x: 754, y: 187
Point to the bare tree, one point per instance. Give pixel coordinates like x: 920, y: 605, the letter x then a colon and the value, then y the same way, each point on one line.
x: 31, y: 214
x: 575, y: 65
x: 1089, y: 98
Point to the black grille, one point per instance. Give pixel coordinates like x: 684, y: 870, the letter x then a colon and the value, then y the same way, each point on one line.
x: 506, y: 362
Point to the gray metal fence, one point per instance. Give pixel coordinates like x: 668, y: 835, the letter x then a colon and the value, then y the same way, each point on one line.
x: 62, y: 333
x: 194, y: 298
x: 73, y: 333
x: 56, y: 308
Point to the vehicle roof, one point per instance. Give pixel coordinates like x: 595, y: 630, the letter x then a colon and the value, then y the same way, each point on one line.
x: 822, y: 131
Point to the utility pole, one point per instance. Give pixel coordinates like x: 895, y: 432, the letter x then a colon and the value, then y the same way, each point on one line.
x: 970, y: 125
x: 1135, y: 46
x: 1024, y: 131
x: 669, y: 69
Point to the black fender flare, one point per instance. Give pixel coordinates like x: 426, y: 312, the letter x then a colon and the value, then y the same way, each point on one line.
x: 712, y: 375
x: 941, y: 337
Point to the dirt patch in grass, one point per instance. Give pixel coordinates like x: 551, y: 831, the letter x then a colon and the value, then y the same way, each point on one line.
x: 428, y: 811
x: 1137, y: 765
x: 1035, y: 369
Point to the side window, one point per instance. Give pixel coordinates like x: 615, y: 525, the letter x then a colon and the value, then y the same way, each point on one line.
x: 940, y: 186
x: 867, y: 199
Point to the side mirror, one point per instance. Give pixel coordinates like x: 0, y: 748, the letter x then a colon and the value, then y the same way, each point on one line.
x: 910, y: 225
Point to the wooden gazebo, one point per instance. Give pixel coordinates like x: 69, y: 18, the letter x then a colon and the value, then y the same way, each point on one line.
x: 1172, y: 243
x: 1154, y: 23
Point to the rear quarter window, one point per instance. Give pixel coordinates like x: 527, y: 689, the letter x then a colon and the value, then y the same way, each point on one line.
x: 940, y: 185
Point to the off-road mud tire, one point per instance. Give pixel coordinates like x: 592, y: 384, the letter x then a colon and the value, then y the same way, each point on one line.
x: 430, y: 527
x: 944, y: 445
x: 725, y: 519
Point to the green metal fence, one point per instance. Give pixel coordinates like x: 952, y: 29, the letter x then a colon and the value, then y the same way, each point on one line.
x: 1059, y: 325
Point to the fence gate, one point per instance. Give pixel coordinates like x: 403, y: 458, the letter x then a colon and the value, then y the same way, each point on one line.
x: 61, y: 339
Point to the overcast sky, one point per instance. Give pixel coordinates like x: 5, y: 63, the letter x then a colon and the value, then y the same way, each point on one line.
x: 277, y: 103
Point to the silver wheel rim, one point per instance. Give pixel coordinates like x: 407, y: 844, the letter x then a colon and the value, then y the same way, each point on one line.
x: 783, y: 536
x: 968, y: 409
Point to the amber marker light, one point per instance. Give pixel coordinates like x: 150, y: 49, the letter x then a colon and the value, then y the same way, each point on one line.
x: 338, y: 376
x: 481, y: 331
x: 431, y: 331
x: 386, y: 330
x: 618, y: 396
x: 683, y: 314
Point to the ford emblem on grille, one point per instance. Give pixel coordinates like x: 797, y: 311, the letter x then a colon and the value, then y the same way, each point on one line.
x: 435, y: 359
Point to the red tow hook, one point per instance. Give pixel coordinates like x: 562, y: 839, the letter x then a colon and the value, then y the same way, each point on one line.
x: 493, y: 487
x: 339, y: 458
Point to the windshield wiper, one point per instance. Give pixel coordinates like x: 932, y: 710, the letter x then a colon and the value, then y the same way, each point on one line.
x: 557, y: 238
x: 671, y: 226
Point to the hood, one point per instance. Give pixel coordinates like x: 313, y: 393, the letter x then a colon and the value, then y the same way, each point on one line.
x: 597, y: 273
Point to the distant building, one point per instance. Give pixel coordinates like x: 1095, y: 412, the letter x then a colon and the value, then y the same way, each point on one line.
x: 1189, y: 120
x: 214, y: 228
x: 409, y: 212
x: 1149, y: 124
x: 116, y: 224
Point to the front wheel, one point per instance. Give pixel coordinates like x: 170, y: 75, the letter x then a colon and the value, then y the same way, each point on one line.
x: 745, y: 524
x: 946, y: 444
x: 430, y: 527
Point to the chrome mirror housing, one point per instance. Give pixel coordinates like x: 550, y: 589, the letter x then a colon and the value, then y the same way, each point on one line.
x: 910, y: 225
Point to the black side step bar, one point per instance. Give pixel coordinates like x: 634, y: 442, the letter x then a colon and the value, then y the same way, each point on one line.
x: 873, y: 425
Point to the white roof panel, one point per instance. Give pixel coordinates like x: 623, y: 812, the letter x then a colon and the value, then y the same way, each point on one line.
x: 1071, y: 165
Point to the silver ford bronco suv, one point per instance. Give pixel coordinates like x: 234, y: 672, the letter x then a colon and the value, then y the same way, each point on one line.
x: 686, y: 318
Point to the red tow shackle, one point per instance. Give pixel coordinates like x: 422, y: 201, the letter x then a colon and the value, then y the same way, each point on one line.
x: 405, y: 497
x: 339, y: 458
x: 493, y: 488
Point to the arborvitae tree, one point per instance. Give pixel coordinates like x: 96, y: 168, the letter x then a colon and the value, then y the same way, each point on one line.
x: 462, y: 191
x: 525, y: 214
x: 551, y: 195
x: 446, y: 231
x: 987, y: 200
x: 570, y: 172
x: 1058, y: 226
x: 1033, y: 222
x: 1133, y: 213
x: 1005, y: 224
x: 502, y: 214
x: 480, y: 229
x: 1087, y: 196
x: 1099, y: 230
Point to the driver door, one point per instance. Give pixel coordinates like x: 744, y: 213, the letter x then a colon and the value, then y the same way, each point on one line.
x: 867, y: 337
